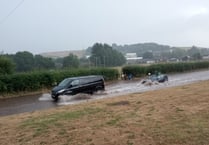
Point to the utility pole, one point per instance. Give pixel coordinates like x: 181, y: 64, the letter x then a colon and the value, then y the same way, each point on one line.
x: 104, y: 60
x: 96, y: 61
x: 89, y: 63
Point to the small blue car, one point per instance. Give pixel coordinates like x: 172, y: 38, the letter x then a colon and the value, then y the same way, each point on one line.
x: 159, y: 78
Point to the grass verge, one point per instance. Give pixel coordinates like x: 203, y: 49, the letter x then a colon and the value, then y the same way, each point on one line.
x: 171, y: 116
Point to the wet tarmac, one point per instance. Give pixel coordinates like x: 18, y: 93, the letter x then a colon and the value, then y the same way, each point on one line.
x: 44, y: 101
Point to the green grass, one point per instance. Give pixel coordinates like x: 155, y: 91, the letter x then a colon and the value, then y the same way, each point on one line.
x: 41, y: 124
x: 180, y: 120
x: 114, y: 121
x: 180, y: 130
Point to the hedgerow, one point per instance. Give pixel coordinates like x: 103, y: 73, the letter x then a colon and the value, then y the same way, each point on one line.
x: 33, y: 81
x: 138, y: 70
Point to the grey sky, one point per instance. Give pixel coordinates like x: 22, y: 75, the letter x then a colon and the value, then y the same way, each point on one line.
x: 55, y: 25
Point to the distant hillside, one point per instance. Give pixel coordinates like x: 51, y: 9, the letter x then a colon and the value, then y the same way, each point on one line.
x: 155, y: 48
x: 60, y: 54
x: 158, y: 51
x: 141, y: 48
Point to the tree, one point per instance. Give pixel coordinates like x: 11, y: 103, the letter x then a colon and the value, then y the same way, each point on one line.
x: 105, y: 55
x: 193, y: 50
x: 166, y: 55
x: 6, y: 65
x: 41, y: 62
x: 204, y: 51
x: 148, y: 55
x: 196, y: 56
x: 84, y: 62
x: 24, y: 61
x: 71, y: 61
x: 178, y: 53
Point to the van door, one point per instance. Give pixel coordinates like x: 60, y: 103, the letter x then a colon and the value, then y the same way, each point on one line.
x: 84, y: 85
x: 75, y: 86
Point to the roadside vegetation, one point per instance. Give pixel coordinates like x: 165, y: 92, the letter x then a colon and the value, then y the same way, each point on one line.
x: 24, y: 72
x: 171, y: 116
x: 139, y: 70
x: 37, y: 80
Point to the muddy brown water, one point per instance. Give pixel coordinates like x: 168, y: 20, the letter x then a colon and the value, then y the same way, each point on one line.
x: 43, y: 101
x: 24, y: 104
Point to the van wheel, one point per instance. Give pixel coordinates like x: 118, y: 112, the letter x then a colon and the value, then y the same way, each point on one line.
x: 56, y: 98
x: 91, y: 92
x: 166, y: 78
x: 98, y: 88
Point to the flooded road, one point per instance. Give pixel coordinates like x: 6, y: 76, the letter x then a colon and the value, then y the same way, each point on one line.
x: 44, y: 101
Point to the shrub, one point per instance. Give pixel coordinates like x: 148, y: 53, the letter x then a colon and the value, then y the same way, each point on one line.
x: 138, y: 71
x: 6, y: 65
x: 33, y: 81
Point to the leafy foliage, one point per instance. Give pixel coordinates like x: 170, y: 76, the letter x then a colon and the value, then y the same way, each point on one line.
x: 32, y: 81
x: 165, y: 68
x: 24, y: 61
x: 148, y: 55
x: 178, y: 53
x: 141, y: 48
x: 71, y: 61
x: 41, y: 62
x: 104, y: 55
x: 160, y: 51
x: 6, y: 65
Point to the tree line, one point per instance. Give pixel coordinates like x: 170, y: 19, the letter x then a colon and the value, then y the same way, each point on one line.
x: 157, y: 51
x: 102, y: 55
x: 25, y: 61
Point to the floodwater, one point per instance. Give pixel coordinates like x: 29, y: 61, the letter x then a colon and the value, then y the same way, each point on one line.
x: 44, y: 101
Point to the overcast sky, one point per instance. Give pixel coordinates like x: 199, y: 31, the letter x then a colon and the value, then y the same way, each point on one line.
x: 54, y: 25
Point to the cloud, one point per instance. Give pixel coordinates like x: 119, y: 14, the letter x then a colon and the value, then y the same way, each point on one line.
x: 196, y: 11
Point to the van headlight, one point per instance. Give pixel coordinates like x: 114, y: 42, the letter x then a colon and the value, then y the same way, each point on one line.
x: 61, y: 91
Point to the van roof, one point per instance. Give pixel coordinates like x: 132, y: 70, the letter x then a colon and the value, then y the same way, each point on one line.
x: 81, y: 77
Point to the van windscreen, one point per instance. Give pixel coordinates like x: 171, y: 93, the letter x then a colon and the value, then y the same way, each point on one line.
x: 65, y: 82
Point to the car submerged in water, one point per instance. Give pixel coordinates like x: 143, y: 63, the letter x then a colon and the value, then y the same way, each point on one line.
x: 75, y: 85
x: 156, y: 77
x: 159, y: 78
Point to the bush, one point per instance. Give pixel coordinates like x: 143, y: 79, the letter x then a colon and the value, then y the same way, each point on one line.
x: 138, y: 71
x: 6, y: 65
x: 37, y: 80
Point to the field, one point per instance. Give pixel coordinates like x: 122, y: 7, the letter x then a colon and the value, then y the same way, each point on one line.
x: 170, y: 116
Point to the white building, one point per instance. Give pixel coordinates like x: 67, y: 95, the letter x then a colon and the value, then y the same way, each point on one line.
x: 132, y: 58
x: 205, y: 57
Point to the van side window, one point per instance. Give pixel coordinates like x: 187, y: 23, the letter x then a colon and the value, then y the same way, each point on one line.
x: 75, y: 83
x: 83, y: 81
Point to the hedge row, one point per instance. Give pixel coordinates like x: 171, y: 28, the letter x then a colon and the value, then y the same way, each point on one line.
x: 37, y: 80
x: 139, y: 71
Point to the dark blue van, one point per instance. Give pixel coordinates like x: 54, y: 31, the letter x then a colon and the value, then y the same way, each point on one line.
x: 75, y: 85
